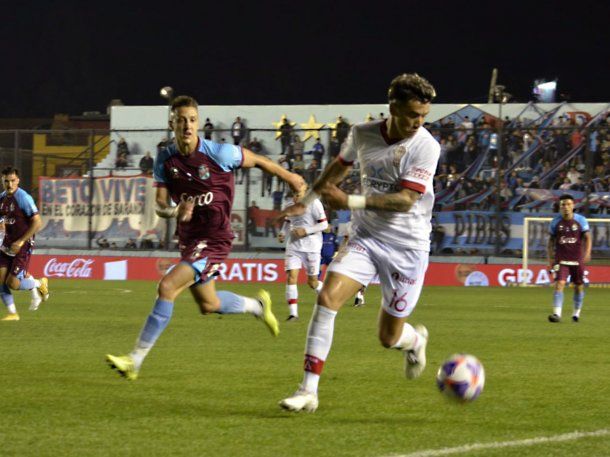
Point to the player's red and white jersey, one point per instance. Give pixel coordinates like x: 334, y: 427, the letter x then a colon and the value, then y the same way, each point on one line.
x: 314, y: 214
x: 387, y: 167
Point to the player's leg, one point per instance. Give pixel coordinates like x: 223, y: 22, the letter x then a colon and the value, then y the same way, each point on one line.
x: 225, y: 302
x: 577, y: 277
x: 336, y: 290
x: 347, y: 273
x: 312, y: 266
x: 293, y: 263
x: 292, y: 293
x: 560, y: 282
x: 7, y: 297
x: 402, y: 280
x: 171, y: 285
x: 19, y: 279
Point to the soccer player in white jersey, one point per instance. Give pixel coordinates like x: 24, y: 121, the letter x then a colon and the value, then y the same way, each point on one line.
x: 303, y: 235
x: 390, y: 234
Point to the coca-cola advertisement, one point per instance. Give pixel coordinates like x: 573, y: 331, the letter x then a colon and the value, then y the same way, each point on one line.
x: 79, y: 267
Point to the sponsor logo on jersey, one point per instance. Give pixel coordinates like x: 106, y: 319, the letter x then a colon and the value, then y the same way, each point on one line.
x: 203, y: 199
x: 399, y: 153
x: 174, y: 172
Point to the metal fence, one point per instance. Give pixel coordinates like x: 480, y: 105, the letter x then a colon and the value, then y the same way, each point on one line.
x: 94, y: 190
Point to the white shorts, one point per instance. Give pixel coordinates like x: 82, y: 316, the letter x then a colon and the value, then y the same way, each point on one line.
x: 401, y: 271
x: 310, y: 260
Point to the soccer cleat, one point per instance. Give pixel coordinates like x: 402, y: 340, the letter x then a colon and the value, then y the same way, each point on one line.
x: 267, y: 316
x: 554, y: 318
x: 10, y: 317
x: 292, y: 318
x: 301, y: 400
x: 575, y: 318
x: 43, y: 289
x: 415, y: 359
x: 36, y: 299
x: 124, y: 364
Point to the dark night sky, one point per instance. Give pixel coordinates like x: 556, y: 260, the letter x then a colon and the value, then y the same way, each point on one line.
x: 74, y: 57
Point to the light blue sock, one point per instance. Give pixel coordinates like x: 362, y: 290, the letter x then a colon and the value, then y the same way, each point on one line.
x: 27, y: 283
x: 156, y: 322
x: 578, y: 299
x: 231, y: 303
x: 557, y: 299
x: 7, y: 296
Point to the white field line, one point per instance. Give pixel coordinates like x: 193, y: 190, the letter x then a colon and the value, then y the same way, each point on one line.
x: 503, y: 444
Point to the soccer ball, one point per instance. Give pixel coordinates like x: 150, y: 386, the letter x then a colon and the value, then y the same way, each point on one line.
x: 461, y: 377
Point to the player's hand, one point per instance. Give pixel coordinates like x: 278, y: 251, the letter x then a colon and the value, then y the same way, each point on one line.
x: 298, y: 232
x: 281, y: 237
x: 15, y: 247
x: 185, y: 210
x: 334, y: 197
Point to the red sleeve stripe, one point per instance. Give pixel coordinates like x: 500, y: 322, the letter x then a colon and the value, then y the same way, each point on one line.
x: 321, y: 220
x: 417, y: 187
x: 344, y: 162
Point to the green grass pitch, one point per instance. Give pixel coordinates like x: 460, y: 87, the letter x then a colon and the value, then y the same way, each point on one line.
x: 211, y: 385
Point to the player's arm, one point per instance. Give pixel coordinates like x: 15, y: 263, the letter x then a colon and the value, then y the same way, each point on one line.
x: 281, y: 236
x: 587, y: 247
x: 164, y: 208
x: 251, y: 160
x: 401, y: 201
x: 35, y: 226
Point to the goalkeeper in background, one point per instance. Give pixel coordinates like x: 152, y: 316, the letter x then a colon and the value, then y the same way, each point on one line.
x: 568, y: 250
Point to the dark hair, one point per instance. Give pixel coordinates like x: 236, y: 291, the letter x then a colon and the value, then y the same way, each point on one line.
x: 184, y: 100
x: 410, y: 86
x: 10, y: 171
x: 566, y: 197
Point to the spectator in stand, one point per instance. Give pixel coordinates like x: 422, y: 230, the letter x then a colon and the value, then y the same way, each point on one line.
x: 312, y: 171
x: 342, y: 129
x: 131, y: 244
x: 146, y: 164
x: 237, y: 130
x: 121, y: 161
x: 573, y: 176
x: 298, y: 148
x: 102, y: 243
x: 251, y: 224
x: 122, y: 147
x: 208, y: 129
x: 318, y: 151
x: 285, y: 136
x: 335, y: 147
x: 298, y: 166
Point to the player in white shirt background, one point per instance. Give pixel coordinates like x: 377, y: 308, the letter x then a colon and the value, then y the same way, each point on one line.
x: 390, y: 234
x: 303, y: 235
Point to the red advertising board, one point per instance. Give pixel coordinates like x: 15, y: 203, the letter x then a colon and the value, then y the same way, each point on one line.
x: 257, y: 270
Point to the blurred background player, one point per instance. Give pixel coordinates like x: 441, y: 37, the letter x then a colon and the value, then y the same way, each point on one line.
x: 329, y: 247
x: 303, y: 235
x: 390, y: 233
x: 21, y: 222
x: 568, y: 250
x: 197, y: 175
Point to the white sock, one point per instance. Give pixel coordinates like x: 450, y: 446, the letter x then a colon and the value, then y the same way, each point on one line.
x: 409, y: 339
x: 139, y: 353
x: 36, y: 283
x: 11, y: 309
x: 319, y: 341
x: 252, y: 306
x: 577, y: 312
x: 292, y: 296
x: 557, y: 310
x: 319, y: 287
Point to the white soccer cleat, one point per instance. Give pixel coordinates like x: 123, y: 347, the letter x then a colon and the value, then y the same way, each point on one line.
x: 301, y: 400
x: 415, y: 359
x: 36, y: 299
